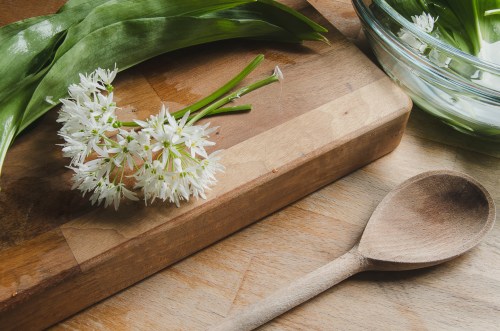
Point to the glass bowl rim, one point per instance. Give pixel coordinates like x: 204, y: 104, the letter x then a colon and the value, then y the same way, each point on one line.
x: 365, y: 12
x: 422, y: 35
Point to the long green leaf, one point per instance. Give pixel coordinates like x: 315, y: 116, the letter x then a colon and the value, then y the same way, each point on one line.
x: 482, y: 30
x: 10, y: 116
x: 488, y: 25
x: 132, y: 9
x: 271, y: 11
x: 70, y: 4
x: 26, y: 52
x: 10, y: 30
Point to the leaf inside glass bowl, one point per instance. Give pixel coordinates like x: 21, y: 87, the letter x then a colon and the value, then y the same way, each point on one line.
x: 472, y: 26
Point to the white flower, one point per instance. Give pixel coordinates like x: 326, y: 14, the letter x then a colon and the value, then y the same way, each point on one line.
x: 197, y: 140
x: 177, y: 178
x: 76, y: 91
x: 70, y: 112
x: 424, y: 21
x: 278, y: 73
x: 155, y: 122
x: 204, y: 176
x: 166, y: 157
x: 178, y: 128
x: 100, y: 104
x: 111, y: 193
x: 107, y: 76
x: 94, y: 176
x: 74, y: 149
x: 154, y: 180
x: 92, y: 131
x: 126, y: 148
x: 91, y: 177
x: 86, y: 121
x: 89, y: 83
x: 83, y: 180
x: 146, y: 150
x: 209, y: 167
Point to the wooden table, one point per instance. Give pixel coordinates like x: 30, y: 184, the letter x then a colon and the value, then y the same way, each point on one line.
x: 463, y: 294
x: 202, y: 289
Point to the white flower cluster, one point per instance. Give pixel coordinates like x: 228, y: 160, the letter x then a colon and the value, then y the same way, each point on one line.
x: 424, y: 22
x: 166, y: 158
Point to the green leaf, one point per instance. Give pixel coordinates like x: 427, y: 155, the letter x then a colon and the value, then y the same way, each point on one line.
x: 132, y: 9
x: 27, y: 51
x: 71, y: 4
x: 9, y: 30
x: 10, y: 117
x: 488, y: 22
x: 271, y: 11
x: 465, y: 24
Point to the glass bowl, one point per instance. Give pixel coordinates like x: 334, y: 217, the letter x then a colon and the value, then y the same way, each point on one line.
x: 460, y: 89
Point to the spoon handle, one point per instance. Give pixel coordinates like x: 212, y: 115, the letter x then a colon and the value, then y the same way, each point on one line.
x: 296, y: 293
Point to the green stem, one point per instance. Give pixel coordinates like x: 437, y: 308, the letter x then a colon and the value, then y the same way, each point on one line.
x: 214, y: 108
x: 492, y: 12
x: 227, y: 110
x: 235, y: 95
x: 114, y: 143
x: 127, y: 124
x: 218, y: 111
x: 222, y: 90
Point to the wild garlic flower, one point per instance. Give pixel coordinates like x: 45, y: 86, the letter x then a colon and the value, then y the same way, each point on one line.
x: 424, y: 21
x: 165, y: 157
x: 176, y: 173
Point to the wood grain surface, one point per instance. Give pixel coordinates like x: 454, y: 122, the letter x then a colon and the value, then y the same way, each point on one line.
x: 428, y: 219
x: 198, y: 292
x: 15, y: 10
x: 463, y: 294
x: 335, y: 112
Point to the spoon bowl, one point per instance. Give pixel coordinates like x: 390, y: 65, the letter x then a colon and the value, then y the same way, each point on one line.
x: 428, y: 219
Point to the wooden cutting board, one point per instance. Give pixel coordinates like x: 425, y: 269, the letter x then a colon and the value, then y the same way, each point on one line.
x: 334, y: 113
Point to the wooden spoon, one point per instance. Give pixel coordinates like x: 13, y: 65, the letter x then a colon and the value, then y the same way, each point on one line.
x: 429, y: 219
